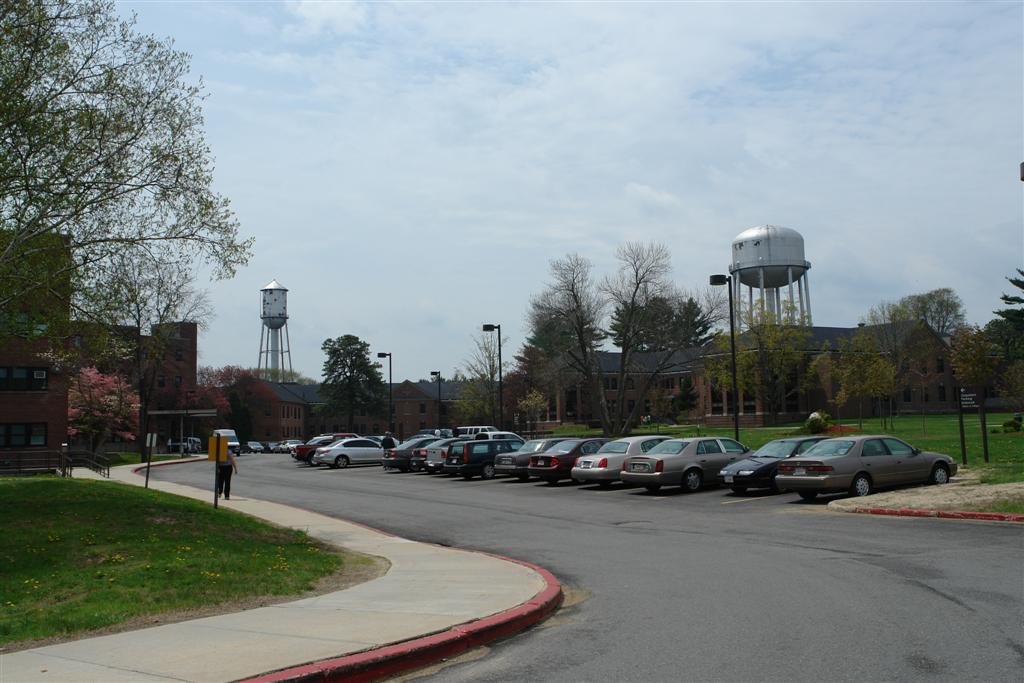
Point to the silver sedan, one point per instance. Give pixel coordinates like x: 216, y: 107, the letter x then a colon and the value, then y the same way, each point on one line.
x: 345, y: 452
x: 860, y: 464
x: 604, y: 466
x: 685, y: 462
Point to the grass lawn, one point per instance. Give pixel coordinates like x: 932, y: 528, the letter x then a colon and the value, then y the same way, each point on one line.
x: 939, y: 433
x: 82, y: 555
x: 115, y: 459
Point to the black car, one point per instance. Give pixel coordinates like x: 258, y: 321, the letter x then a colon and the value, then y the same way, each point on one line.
x: 473, y: 457
x: 400, y: 457
x: 759, y: 469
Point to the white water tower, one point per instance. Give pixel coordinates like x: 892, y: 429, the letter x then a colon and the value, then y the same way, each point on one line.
x: 275, y: 349
x: 768, y: 259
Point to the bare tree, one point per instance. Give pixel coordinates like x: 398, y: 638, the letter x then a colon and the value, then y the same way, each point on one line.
x: 103, y: 149
x: 942, y: 309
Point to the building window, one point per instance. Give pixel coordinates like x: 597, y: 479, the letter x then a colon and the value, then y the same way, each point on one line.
x: 630, y: 384
x: 611, y: 383
x: 177, y: 380
x: 423, y: 409
x: 940, y: 364
x: 178, y: 354
x: 23, y: 379
x: 161, y: 381
x: 942, y: 391
x: 907, y: 395
x: 630, y: 405
x: 20, y: 435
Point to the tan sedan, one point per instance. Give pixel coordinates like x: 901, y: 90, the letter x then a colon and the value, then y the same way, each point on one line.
x: 684, y: 462
x: 861, y: 464
x: 604, y: 467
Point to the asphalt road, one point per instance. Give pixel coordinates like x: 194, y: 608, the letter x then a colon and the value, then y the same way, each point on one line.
x: 708, y: 586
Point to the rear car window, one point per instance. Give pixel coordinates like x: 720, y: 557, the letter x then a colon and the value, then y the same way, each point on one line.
x: 830, y: 448
x: 563, y: 447
x: 669, y: 447
x: 614, y: 447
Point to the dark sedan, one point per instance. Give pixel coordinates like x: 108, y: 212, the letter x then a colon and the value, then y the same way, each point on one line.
x: 400, y: 457
x: 517, y: 463
x: 557, y: 462
x: 758, y: 471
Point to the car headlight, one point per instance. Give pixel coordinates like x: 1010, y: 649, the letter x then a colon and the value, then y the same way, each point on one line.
x: 723, y: 473
x: 745, y: 473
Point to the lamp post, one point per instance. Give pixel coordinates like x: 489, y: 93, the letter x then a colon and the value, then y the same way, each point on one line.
x: 717, y: 281
x: 501, y: 406
x: 391, y: 409
x: 437, y: 374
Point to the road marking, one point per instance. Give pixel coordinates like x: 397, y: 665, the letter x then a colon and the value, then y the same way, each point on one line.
x: 745, y: 500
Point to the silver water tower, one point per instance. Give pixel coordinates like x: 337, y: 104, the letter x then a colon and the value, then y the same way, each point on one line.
x: 768, y: 259
x: 275, y: 349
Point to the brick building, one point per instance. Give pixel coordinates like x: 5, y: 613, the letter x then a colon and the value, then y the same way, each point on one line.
x: 33, y: 397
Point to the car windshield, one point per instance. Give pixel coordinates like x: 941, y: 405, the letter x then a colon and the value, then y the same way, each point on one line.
x: 336, y: 443
x: 564, y: 446
x: 532, y: 446
x: 828, y: 449
x: 774, y: 449
x: 614, y: 447
x: 671, y: 446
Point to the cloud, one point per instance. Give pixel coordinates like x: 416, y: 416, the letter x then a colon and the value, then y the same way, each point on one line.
x: 314, y: 17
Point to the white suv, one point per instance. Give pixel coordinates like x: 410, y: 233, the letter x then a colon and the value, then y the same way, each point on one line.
x: 473, y: 430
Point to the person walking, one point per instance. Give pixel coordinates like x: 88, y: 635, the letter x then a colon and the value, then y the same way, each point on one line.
x: 388, y: 442
x: 224, y: 472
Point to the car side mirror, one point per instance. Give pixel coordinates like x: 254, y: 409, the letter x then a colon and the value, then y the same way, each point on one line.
x: 915, y: 451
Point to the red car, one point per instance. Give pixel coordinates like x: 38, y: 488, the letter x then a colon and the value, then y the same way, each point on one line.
x: 557, y: 462
x: 304, y: 452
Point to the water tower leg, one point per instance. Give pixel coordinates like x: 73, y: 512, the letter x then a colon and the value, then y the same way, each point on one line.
x: 792, y: 304
x: 807, y: 288
x: 800, y: 291
x: 761, y: 272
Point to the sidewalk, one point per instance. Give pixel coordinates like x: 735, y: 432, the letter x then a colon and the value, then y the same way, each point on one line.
x: 955, y: 500
x: 415, y: 598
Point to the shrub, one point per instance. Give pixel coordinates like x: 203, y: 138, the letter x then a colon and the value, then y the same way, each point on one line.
x: 817, y: 422
x: 1011, y: 426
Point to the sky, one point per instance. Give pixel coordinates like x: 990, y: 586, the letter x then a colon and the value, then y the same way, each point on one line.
x: 409, y: 170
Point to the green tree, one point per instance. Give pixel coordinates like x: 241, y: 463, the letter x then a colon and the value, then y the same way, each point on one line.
x: 975, y: 361
x: 941, y: 309
x: 853, y: 369
x: 352, y: 382
x: 103, y: 149
x: 1015, y: 314
x: 531, y: 406
x: 769, y: 358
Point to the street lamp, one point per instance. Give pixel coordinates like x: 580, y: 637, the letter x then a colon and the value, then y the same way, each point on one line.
x: 437, y: 374
x: 501, y: 406
x: 718, y: 281
x: 391, y: 409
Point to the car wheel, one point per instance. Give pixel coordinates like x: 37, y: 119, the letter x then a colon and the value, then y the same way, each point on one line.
x: 739, y: 489
x: 604, y: 484
x: 524, y: 477
x: 341, y: 461
x: 940, y: 475
x: 550, y: 481
x: 403, y: 469
x: 808, y: 495
x: 487, y: 472
x: 861, y: 485
x: 692, y: 480
x: 653, y: 488
x: 467, y: 477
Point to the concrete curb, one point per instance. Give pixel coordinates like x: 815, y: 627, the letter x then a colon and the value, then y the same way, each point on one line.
x: 415, y: 653
x: 942, y: 514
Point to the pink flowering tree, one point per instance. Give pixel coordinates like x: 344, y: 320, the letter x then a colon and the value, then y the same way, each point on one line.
x: 100, y: 406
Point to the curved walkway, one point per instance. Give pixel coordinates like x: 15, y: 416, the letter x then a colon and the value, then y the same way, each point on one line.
x: 432, y: 602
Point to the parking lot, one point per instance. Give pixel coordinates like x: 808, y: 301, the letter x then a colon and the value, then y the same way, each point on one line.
x: 703, y: 586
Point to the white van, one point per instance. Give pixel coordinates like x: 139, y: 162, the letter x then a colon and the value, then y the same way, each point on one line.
x: 476, y: 429
x: 232, y: 438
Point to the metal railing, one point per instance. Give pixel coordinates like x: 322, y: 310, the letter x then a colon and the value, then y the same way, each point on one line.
x: 51, y: 462
x: 35, y: 462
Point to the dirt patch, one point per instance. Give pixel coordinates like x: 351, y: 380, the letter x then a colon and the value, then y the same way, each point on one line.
x: 357, y: 568
x: 960, y: 495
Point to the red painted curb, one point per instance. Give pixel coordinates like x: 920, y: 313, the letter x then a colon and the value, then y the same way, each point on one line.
x: 944, y: 514
x: 411, y: 654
